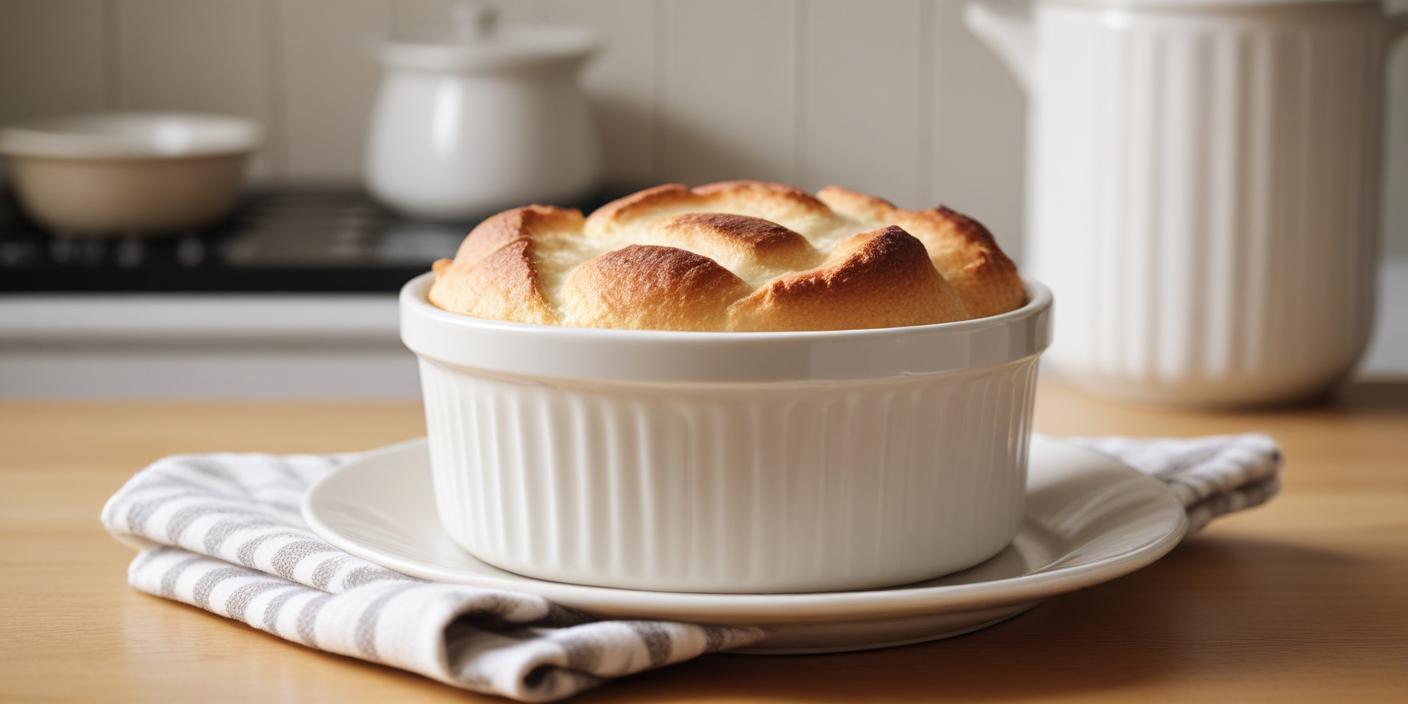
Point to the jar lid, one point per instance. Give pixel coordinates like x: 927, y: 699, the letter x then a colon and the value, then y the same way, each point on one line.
x: 473, y: 40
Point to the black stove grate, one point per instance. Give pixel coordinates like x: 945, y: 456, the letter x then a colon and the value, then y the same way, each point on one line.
x: 276, y: 241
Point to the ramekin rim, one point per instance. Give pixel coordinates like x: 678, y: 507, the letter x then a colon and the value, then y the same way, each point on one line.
x: 414, y: 294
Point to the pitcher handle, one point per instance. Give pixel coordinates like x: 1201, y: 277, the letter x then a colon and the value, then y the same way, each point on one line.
x: 1007, y: 28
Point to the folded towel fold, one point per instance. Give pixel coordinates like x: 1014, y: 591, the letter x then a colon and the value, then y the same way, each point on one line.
x: 223, y: 532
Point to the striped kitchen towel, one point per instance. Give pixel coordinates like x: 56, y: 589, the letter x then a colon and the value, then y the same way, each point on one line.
x: 223, y: 532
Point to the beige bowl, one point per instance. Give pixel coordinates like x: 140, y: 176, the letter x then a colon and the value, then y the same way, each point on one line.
x: 122, y: 173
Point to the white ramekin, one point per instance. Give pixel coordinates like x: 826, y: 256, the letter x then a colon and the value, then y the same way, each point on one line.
x: 728, y: 462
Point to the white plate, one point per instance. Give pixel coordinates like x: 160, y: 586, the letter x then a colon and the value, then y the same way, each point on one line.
x: 1089, y: 519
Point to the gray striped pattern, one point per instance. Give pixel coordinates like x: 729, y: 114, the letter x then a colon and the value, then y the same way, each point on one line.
x: 230, y: 541
x: 226, y: 540
x: 1210, y: 475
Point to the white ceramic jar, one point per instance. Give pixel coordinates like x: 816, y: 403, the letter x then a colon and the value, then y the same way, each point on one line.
x: 472, y: 124
x: 1203, y: 188
x: 728, y: 462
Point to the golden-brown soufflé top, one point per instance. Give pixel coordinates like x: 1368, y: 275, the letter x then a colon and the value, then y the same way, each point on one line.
x: 732, y: 256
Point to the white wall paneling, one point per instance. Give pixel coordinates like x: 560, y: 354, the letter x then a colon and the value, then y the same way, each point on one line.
x: 976, y: 163
x: 52, y: 57
x: 729, y: 97
x: 417, y: 15
x: 327, y: 84
x: 864, y: 121
x: 621, y: 81
x: 895, y: 97
x: 203, y: 55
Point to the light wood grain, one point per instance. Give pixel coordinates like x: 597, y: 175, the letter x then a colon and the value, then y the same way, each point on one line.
x: 1301, y: 600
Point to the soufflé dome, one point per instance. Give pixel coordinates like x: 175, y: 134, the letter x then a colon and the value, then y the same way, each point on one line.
x: 732, y: 256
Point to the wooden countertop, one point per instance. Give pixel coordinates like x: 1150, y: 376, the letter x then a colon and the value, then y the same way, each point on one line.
x: 1303, y: 600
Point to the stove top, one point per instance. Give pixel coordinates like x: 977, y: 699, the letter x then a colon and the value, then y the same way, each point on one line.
x: 276, y: 241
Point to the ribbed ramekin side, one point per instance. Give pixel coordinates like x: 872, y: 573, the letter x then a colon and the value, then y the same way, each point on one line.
x: 763, y: 487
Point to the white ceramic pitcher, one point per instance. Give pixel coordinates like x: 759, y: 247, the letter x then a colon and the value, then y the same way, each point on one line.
x: 1203, y: 188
